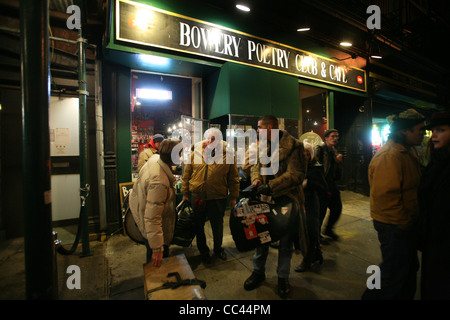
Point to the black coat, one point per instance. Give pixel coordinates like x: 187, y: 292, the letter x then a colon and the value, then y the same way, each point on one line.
x: 434, y: 199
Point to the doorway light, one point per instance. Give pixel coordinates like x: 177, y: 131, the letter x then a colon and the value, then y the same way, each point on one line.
x: 154, y: 94
x: 155, y: 60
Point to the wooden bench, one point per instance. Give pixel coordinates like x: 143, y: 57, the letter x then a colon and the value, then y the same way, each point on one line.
x: 158, y: 282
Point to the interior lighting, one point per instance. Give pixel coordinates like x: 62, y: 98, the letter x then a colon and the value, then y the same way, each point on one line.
x: 243, y: 7
x: 303, y: 29
x: 154, y: 94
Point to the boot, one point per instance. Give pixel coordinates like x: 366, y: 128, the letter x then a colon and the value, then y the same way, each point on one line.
x: 284, y: 288
x: 304, y: 266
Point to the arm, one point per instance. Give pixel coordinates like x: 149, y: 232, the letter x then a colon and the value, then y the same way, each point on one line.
x: 154, y: 208
x: 294, y: 174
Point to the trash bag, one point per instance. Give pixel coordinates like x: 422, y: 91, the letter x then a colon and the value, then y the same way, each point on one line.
x: 185, y: 226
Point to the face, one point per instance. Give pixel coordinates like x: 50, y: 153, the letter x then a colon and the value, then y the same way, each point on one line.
x: 332, y: 140
x: 261, y: 125
x: 414, y: 137
x: 157, y: 144
x: 210, y: 140
x: 441, y: 136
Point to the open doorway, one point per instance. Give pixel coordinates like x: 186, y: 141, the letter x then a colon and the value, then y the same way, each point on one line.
x: 313, y: 108
x: 158, y: 103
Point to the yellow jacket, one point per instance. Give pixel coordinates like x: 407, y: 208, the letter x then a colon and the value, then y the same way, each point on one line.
x: 210, y: 181
x: 394, y: 176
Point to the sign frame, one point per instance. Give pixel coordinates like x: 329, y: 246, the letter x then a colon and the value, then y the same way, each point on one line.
x: 192, y: 36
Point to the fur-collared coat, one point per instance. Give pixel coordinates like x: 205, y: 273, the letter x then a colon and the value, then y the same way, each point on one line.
x: 287, y: 181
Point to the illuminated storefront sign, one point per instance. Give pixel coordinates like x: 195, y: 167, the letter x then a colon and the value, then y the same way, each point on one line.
x: 145, y: 25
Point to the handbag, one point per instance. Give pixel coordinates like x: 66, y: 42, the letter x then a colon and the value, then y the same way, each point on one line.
x: 184, y: 226
x: 254, y: 222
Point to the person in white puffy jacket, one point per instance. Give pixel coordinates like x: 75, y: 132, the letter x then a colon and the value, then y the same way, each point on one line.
x: 152, y: 203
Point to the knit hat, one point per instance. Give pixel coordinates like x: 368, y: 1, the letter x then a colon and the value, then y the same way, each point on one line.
x: 158, y: 138
x: 438, y: 119
x: 405, y: 120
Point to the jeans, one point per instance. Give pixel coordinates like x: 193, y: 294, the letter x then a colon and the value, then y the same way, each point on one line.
x: 284, y: 257
x: 213, y: 210
x: 399, y: 266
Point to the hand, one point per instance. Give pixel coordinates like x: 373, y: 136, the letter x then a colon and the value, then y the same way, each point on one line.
x: 264, y: 189
x: 157, y: 258
x: 185, y: 198
x: 232, y: 203
x: 256, y: 182
x: 339, y: 158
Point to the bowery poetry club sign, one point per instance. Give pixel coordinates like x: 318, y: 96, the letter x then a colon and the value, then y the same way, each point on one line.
x: 145, y: 25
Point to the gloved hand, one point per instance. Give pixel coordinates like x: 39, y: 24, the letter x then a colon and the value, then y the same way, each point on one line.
x: 264, y: 189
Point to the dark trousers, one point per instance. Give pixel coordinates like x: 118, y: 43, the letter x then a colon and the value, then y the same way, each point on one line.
x: 212, y: 210
x: 312, y: 206
x: 334, y: 203
x: 398, y: 270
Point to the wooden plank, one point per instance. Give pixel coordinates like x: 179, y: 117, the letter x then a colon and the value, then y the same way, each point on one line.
x: 156, y: 277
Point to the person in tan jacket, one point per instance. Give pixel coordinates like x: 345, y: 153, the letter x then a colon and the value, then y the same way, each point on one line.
x: 152, y: 203
x: 153, y: 148
x: 207, y: 182
x: 394, y: 177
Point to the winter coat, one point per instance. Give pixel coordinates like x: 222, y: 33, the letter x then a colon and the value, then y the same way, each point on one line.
x: 152, y: 203
x: 434, y: 199
x: 144, y: 156
x: 287, y: 182
x: 394, y: 176
x: 210, y: 181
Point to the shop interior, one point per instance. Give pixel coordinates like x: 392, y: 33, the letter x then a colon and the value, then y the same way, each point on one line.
x: 313, y: 108
x: 158, y: 104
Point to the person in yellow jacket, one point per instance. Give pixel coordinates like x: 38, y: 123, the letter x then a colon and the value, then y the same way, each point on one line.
x: 207, y: 181
x: 394, y: 177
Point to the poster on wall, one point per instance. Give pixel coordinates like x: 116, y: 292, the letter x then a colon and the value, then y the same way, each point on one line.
x: 141, y: 24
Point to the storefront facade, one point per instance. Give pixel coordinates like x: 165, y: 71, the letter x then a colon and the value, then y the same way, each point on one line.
x: 207, y: 74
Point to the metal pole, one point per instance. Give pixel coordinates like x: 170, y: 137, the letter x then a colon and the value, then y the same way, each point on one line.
x: 38, y: 239
x: 84, y: 186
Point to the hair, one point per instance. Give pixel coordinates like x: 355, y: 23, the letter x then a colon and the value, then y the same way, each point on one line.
x: 270, y: 120
x: 165, y: 150
x: 213, y: 132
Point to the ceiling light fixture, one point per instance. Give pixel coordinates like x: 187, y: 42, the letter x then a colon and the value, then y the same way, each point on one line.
x: 243, y: 7
x: 346, y: 44
x: 303, y: 29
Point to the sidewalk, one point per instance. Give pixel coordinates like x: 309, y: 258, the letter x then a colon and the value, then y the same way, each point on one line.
x: 115, y: 270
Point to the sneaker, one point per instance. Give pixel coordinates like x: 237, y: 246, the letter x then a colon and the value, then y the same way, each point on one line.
x: 254, y: 281
x: 284, y: 287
